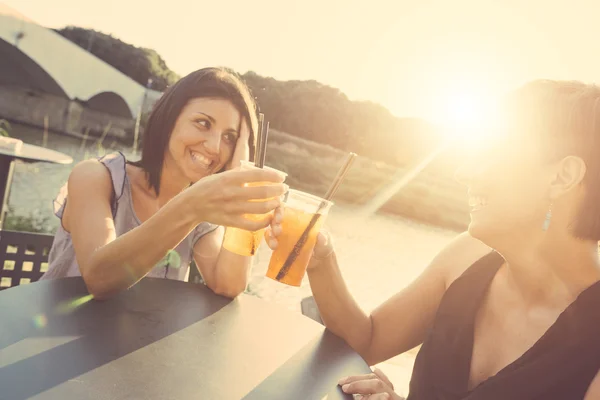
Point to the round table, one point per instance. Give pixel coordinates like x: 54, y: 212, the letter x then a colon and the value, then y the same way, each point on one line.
x: 28, y: 153
x: 163, y: 339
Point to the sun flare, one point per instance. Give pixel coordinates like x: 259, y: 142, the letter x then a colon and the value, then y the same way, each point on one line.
x: 466, y: 118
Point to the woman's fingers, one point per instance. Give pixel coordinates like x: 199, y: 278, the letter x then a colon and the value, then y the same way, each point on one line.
x: 354, y: 378
x: 270, y: 239
x: 324, y: 246
x: 250, y: 225
x: 323, y: 250
x: 255, y: 192
x: 264, y: 214
x: 242, y: 147
x: 252, y: 207
x: 278, y: 216
x: 383, y: 377
x: 375, y: 386
x: 276, y: 230
x: 366, y: 386
x: 254, y: 175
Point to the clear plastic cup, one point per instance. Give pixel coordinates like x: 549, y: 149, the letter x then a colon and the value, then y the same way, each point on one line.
x: 304, y: 215
x: 240, y: 241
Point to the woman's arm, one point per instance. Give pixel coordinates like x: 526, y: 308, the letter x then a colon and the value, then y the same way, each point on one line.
x: 109, y: 264
x: 401, y: 322
x: 226, y: 273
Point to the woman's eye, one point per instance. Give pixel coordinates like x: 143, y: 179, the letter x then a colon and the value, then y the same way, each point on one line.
x: 205, y: 123
x: 230, y: 137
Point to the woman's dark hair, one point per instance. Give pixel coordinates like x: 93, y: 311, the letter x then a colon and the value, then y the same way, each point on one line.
x: 218, y: 83
x: 565, y: 118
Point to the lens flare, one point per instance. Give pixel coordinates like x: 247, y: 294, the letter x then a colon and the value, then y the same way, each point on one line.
x: 40, y: 321
x: 66, y: 307
x: 129, y: 270
x: 173, y: 259
x: 397, y: 183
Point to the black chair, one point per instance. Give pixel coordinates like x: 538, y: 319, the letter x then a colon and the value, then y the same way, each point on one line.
x: 23, y: 257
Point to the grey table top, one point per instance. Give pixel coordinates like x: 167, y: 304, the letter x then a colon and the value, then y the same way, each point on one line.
x: 30, y: 152
x: 163, y: 339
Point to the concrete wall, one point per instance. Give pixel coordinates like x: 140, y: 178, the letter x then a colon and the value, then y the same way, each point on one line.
x: 63, y: 115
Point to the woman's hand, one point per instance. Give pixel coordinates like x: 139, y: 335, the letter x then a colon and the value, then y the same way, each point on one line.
x: 323, y: 248
x: 222, y: 199
x: 242, y: 148
x: 374, y: 386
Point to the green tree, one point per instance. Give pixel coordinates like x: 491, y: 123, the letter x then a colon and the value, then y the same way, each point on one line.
x: 140, y: 64
x: 317, y: 112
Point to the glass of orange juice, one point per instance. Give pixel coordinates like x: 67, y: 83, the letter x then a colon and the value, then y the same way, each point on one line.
x: 240, y: 241
x: 303, y: 217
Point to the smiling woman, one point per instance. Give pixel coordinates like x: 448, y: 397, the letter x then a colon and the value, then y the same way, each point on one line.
x: 126, y: 220
x: 200, y: 117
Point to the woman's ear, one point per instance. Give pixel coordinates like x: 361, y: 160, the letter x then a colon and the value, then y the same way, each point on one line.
x: 569, y: 173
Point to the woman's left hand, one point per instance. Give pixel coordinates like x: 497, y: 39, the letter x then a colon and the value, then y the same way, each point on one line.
x: 374, y: 386
x: 242, y: 148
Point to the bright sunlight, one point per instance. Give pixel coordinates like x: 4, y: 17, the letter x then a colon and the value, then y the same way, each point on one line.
x: 466, y: 118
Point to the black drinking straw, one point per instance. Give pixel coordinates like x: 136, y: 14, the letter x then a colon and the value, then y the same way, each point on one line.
x: 263, y: 148
x: 259, y: 138
x: 339, y: 178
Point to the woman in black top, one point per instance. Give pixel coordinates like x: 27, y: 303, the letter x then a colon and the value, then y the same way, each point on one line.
x: 511, y: 309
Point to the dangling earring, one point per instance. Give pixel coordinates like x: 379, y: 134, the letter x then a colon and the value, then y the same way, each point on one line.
x: 547, y: 219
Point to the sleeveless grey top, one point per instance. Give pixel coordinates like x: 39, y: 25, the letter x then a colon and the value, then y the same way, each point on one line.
x: 61, y: 259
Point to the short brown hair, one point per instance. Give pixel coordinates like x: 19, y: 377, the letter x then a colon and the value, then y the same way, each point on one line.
x: 565, y: 117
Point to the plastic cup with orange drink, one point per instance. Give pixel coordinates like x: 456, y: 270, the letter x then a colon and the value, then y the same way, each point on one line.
x: 240, y: 241
x: 303, y: 217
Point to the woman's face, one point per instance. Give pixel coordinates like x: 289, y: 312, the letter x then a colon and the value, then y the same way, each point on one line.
x: 204, y: 137
x: 508, y: 189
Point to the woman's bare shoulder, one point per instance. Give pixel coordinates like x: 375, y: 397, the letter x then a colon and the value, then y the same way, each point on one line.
x: 89, y: 171
x: 89, y: 185
x: 458, y: 255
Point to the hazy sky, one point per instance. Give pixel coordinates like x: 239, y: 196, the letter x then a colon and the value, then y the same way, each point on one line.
x: 413, y: 56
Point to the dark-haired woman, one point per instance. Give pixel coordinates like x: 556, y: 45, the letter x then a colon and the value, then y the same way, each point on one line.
x: 511, y: 309
x: 122, y: 221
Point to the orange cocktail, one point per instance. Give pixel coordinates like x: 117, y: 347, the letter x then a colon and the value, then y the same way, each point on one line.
x: 240, y: 241
x: 303, y: 217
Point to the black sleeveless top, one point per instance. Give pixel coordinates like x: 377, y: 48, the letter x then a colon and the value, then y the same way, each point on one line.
x: 560, y: 365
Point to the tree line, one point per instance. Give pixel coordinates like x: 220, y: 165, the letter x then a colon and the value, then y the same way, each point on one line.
x: 138, y: 63
x: 307, y: 109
